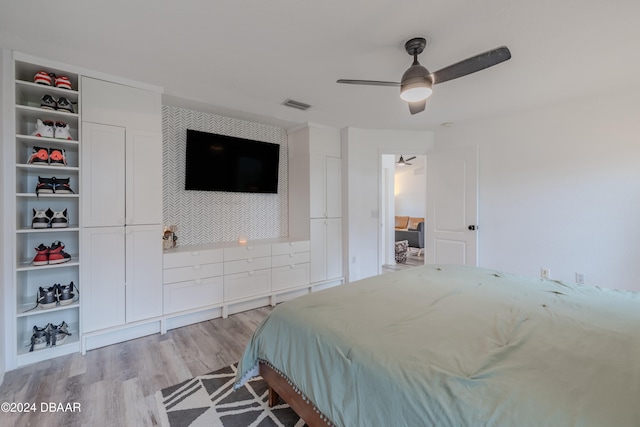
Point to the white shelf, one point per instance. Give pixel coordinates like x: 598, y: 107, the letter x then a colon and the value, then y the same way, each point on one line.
x: 25, y: 265
x: 29, y: 230
x: 44, y: 168
x: 31, y: 139
x: 21, y: 310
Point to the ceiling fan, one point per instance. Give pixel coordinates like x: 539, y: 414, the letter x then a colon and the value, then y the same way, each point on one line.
x: 403, y: 162
x: 416, y: 83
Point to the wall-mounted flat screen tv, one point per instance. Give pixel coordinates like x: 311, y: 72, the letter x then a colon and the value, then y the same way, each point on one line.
x: 217, y: 162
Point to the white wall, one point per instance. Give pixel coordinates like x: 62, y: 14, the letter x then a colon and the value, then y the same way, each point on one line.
x: 559, y: 187
x: 411, y: 188
x: 362, y: 151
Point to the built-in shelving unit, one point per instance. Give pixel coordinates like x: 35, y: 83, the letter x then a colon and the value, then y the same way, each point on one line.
x: 28, y: 278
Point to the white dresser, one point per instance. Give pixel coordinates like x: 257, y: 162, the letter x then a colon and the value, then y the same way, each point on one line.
x: 223, y: 275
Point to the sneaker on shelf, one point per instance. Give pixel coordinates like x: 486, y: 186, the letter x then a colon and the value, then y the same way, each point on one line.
x: 44, y: 78
x: 61, y: 186
x: 48, y: 297
x: 40, y: 218
x: 41, y: 338
x: 64, y: 104
x: 48, y: 102
x: 38, y: 155
x: 63, y: 131
x: 45, y: 186
x: 63, y: 82
x: 59, y: 333
x: 57, y: 157
x: 56, y: 253
x: 42, y: 255
x: 58, y: 219
x: 44, y: 128
x: 65, y: 293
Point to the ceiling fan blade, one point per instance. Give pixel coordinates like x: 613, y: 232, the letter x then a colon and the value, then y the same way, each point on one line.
x: 409, y: 159
x: 417, y: 107
x: 471, y: 65
x: 368, y: 82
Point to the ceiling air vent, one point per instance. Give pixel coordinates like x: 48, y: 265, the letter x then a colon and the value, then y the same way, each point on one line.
x: 296, y: 104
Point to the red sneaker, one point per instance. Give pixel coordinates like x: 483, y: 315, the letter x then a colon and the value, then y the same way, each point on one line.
x: 42, y: 255
x: 63, y: 82
x: 56, y: 253
x: 44, y: 78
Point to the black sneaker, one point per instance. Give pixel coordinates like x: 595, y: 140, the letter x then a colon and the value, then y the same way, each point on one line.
x: 44, y: 186
x: 48, y: 297
x: 64, y: 104
x: 58, y: 219
x: 65, y: 293
x: 48, y: 102
x: 40, y: 219
x: 59, y: 333
x: 61, y: 185
x: 57, y: 156
x: 39, y: 156
x: 41, y: 338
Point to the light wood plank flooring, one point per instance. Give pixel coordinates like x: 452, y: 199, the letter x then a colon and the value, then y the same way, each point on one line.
x: 413, y: 260
x: 115, y: 385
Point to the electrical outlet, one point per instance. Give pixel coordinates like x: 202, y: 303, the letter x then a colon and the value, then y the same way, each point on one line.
x: 545, y: 273
x: 580, y: 278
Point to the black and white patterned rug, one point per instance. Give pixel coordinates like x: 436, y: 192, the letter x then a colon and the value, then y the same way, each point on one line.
x: 209, y: 400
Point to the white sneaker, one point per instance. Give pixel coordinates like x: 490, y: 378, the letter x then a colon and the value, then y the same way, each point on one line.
x: 59, y: 219
x: 40, y: 219
x: 44, y: 129
x: 63, y: 131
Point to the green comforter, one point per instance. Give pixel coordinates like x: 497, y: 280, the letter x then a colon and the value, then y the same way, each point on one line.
x: 459, y: 346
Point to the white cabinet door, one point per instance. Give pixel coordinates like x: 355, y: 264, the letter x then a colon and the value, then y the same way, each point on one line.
x: 334, y: 247
x: 103, y: 175
x: 103, y: 278
x: 116, y: 104
x: 143, y: 272
x: 318, y: 238
x: 144, y: 177
x: 318, y: 186
x: 333, y: 177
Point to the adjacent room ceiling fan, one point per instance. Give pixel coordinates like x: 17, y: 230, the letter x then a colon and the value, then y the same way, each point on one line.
x: 403, y: 162
x: 417, y: 81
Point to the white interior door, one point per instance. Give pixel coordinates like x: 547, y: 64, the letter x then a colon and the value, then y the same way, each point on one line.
x: 452, y: 207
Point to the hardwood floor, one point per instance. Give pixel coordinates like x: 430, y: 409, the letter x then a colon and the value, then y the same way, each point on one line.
x: 413, y: 260
x: 115, y: 385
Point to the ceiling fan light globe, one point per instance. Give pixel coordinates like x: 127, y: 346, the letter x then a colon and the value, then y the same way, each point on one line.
x: 415, y: 93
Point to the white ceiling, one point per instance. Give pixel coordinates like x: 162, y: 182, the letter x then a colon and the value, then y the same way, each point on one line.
x: 243, y: 58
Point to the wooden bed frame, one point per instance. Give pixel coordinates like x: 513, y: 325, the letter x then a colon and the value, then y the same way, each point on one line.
x: 280, y: 387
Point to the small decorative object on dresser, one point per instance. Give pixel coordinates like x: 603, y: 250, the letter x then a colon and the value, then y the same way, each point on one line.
x: 169, y: 238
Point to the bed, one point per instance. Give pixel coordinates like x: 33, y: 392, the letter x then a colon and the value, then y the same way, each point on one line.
x: 454, y: 346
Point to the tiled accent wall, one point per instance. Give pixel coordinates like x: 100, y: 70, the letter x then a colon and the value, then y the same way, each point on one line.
x: 208, y: 217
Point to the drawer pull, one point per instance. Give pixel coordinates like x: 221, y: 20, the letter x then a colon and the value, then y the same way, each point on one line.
x: 197, y: 267
x: 249, y: 248
x: 290, y: 255
x: 291, y: 243
x: 292, y: 266
x: 250, y: 260
x: 195, y: 253
x: 250, y: 273
x: 197, y: 281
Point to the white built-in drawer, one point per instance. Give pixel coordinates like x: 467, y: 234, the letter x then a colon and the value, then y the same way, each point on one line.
x: 248, y: 251
x: 289, y: 259
x: 289, y: 276
x: 243, y: 285
x: 193, y: 294
x: 188, y: 258
x: 192, y: 272
x: 290, y: 247
x: 244, y: 265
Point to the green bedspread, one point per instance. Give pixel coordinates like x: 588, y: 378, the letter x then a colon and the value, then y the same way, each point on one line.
x: 459, y: 346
